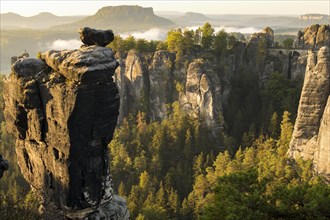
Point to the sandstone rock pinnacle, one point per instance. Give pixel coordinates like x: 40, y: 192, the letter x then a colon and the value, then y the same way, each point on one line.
x: 63, y: 110
x: 310, y: 138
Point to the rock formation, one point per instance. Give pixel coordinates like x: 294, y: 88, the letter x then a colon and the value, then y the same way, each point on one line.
x: 310, y: 139
x: 257, y: 47
x: 144, y: 81
x: 130, y: 78
x: 313, y: 37
x: 63, y: 110
x: 202, y: 97
x: 91, y: 36
x: 322, y: 154
x: 161, y: 83
x: 266, y: 35
x: 147, y: 82
x: 3, y: 166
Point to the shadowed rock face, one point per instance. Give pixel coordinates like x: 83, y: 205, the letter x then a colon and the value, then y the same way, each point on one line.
x: 63, y: 110
x: 3, y: 165
x: 310, y: 138
x: 91, y: 36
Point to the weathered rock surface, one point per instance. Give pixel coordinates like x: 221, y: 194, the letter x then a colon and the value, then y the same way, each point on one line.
x: 4, y: 165
x: 161, y: 80
x: 147, y: 82
x: 144, y: 82
x: 313, y: 37
x: 322, y: 155
x: 91, y: 36
x: 257, y: 47
x: 266, y: 36
x: 310, y: 139
x: 130, y: 78
x: 63, y: 110
x: 202, y: 97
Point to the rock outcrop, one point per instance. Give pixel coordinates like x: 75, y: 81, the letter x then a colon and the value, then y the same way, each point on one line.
x: 161, y: 83
x: 202, y: 97
x: 257, y: 47
x: 322, y: 154
x: 131, y: 76
x: 144, y: 81
x: 313, y: 37
x: 91, y: 36
x: 63, y: 110
x: 266, y: 36
x: 151, y: 81
x: 4, y: 165
x: 310, y: 139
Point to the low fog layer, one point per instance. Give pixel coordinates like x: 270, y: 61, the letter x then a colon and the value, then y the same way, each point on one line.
x: 64, y: 44
x: 161, y: 34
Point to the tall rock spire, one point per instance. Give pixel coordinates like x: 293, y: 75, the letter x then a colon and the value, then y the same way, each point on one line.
x: 310, y: 139
x: 63, y: 110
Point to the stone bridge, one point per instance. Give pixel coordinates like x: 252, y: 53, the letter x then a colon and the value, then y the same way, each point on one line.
x: 287, y: 51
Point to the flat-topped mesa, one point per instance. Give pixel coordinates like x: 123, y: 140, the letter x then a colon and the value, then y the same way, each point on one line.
x: 310, y: 138
x: 63, y: 110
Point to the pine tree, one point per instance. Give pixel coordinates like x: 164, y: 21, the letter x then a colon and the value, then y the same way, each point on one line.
x: 286, y: 134
x: 207, y: 36
x: 273, y: 130
x: 121, y: 189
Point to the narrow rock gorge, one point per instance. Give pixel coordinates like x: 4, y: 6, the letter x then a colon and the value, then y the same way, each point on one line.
x: 311, y: 136
x: 63, y: 109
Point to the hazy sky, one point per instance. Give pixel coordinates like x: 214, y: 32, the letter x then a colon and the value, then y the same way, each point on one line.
x: 29, y: 8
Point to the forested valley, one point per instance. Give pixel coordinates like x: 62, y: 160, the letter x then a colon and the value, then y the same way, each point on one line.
x: 181, y: 168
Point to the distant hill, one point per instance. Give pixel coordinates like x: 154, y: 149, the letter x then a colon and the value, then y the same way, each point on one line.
x: 169, y: 14
x: 120, y: 19
x: 286, y: 21
x: 193, y: 18
x: 39, y: 21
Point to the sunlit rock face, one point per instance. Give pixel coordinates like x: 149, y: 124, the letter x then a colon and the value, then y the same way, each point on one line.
x: 202, y: 97
x: 63, y: 109
x: 322, y: 154
x: 130, y: 77
x: 311, y: 135
x: 313, y: 37
x: 149, y: 82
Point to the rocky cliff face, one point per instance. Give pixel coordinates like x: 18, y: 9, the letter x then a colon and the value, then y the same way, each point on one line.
x: 202, y: 97
x: 322, y: 154
x: 260, y: 42
x: 63, y: 110
x: 313, y: 37
x: 130, y: 78
x: 150, y: 81
x: 310, y: 139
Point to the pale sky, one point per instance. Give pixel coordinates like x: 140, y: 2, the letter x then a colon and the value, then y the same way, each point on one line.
x: 29, y: 8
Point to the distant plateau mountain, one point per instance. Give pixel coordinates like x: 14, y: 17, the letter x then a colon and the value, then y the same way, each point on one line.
x: 121, y: 18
